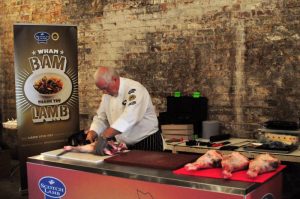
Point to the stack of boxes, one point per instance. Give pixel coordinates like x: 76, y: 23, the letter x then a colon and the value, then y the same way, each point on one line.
x: 177, y: 131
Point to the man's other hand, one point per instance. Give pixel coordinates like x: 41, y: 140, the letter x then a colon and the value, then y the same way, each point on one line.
x: 91, y: 135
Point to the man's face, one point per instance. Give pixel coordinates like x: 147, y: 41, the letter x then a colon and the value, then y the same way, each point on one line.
x: 109, y: 88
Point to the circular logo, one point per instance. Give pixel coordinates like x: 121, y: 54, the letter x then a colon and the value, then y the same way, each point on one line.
x: 131, y: 97
x: 52, y: 187
x: 41, y: 37
x: 55, y: 36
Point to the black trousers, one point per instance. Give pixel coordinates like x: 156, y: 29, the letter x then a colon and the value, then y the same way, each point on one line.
x: 153, y: 142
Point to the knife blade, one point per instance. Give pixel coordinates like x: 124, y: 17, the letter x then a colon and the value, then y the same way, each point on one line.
x: 62, y: 153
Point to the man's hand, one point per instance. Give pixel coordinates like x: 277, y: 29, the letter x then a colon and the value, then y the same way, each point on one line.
x: 91, y: 136
x: 100, y: 145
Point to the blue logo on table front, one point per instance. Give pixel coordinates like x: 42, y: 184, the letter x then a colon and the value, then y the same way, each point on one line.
x: 52, y: 187
x: 42, y: 37
x: 268, y: 196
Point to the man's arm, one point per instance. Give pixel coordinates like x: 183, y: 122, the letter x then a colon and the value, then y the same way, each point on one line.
x: 109, y: 133
x: 99, y: 123
x: 134, y: 111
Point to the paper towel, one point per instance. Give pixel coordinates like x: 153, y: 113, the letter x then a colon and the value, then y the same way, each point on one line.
x: 210, y: 128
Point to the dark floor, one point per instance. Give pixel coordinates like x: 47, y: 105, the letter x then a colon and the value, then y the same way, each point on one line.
x: 291, y: 181
x: 10, y: 185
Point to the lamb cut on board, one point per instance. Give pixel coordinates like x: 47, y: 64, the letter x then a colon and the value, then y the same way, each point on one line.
x: 261, y: 164
x: 211, y: 159
x: 233, y: 162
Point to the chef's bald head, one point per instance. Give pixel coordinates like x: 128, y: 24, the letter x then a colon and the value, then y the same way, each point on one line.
x: 107, y: 80
x: 105, y: 73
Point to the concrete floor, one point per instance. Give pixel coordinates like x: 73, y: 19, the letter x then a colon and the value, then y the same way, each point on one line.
x: 9, y: 186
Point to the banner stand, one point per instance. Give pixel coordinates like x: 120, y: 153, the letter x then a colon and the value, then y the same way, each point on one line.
x: 46, y: 78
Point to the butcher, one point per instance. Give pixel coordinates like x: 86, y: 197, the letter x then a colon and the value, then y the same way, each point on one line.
x: 126, y: 113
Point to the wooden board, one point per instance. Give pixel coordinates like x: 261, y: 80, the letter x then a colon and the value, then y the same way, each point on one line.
x: 184, y: 137
x: 178, y: 131
x: 84, y: 157
x: 151, y: 159
x: 177, y: 126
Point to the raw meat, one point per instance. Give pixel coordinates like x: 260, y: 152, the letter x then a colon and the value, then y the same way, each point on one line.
x: 111, y: 149
x: 233, y: 162
x: 261, y: 164
x: 211, y: 159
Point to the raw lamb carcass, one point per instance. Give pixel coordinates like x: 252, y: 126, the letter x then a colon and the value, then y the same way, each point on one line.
x: 261, y: 164
x: 233, y: 162
x: 110, y: 149
x: 211, y: 159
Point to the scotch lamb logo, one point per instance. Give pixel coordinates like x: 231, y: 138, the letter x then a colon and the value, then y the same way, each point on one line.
x: 268, y: 196
x: 52, y: 187
x: 142, y: 195
x: 42, y: 37
x: 51, y: 182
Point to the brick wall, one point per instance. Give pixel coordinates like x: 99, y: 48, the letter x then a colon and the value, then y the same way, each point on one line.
x: 242, y: 55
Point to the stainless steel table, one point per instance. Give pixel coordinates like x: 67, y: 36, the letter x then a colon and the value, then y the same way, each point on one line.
x: 78, y: 176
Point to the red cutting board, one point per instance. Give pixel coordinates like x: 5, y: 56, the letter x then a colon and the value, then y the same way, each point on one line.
x: 239, y: 175
x: 151, y: 159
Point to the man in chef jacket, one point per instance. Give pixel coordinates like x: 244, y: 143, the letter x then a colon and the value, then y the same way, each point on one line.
x: 126, y: 112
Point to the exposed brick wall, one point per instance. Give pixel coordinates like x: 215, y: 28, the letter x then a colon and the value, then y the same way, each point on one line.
x: 242, y: 55
x: 18, y: 11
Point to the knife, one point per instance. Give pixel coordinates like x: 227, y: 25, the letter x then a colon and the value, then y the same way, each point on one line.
x: 62, y: 153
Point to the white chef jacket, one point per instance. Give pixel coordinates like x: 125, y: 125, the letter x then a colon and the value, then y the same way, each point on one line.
x: 131, y: 113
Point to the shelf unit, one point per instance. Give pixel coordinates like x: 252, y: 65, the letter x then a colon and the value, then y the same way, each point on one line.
x: 264, y: 130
